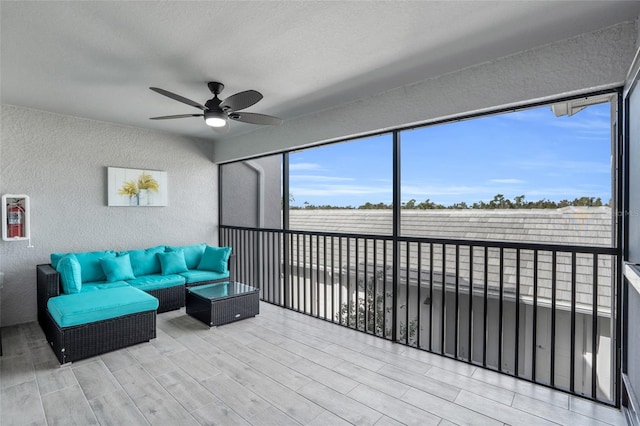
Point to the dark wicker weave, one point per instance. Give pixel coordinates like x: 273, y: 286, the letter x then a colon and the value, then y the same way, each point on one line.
x: 224, y: 310
x: 74, y: 343
x: 83, y: 341
x: 170, y: 298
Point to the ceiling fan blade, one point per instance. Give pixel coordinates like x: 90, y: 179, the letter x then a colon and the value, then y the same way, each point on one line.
x: 241, y: 100
x: 167, y: 117
x: 178, y: 98
x: 253, y: 118
x: 222, y: 130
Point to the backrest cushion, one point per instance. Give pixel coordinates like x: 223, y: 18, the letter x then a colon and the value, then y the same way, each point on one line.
x: 172, y: 262
x: 145, y: 262
x: 89, y: 263
x: 117, y: 268
x: 70, y: 274
x: 192, y: 254
x: 215, y: 259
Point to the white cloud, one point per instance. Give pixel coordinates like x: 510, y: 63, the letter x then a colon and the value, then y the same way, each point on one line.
x: 507, y: 181
x: 320, y: 178
x: 338, y: 190
x: 304, y: 166
x: 435, y: 190
x: 566, y: 165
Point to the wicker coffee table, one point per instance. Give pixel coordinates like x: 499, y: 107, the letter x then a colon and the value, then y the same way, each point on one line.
x: 222, y: 303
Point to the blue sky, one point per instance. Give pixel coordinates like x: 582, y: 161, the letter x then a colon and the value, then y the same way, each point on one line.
x: 530, y: 152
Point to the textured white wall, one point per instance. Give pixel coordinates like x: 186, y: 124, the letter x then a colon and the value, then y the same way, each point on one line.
x: 590, y: 61
x: 61, y: 163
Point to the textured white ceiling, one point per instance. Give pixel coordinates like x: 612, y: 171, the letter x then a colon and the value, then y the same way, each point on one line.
x: 97, y: 59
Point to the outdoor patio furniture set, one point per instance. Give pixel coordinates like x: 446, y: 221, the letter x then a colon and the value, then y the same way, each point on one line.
x: 95, y: 302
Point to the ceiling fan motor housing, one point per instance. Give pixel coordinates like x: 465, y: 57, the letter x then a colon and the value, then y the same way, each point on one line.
x: 215, y: 87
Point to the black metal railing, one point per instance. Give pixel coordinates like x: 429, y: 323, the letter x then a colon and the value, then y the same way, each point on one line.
x: 539, y: 312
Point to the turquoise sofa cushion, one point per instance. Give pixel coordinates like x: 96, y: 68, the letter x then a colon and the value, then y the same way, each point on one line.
x: 70, y: 274
x: 192, y: 253
x: 145, y: 262
x: 215, y: 259
x: 81, y: 308
x: 101, y: 285
x: 117, y: 268
x: 155, y: 282
x: 172, y: 262
x: 197, y: 276
x: 90, y: 267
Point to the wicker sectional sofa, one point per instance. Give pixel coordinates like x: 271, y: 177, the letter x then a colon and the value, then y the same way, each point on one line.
x: 95, y: 302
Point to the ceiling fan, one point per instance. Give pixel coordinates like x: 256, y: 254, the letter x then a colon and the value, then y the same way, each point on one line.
x: 216, y: 112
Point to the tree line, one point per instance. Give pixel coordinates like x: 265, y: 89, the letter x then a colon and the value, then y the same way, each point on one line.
x: 499, y: 202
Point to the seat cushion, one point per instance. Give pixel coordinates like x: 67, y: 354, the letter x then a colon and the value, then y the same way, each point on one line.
x: 192, y: 253
x: 155, y: 282
x: 197, y: 276
x: 102, y: 285
x: 87, y: 307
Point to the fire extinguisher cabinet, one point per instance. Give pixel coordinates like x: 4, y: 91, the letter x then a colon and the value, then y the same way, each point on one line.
x: 15, y: 217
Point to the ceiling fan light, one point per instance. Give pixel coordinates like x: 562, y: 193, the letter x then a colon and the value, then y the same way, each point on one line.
x: 215, y: 119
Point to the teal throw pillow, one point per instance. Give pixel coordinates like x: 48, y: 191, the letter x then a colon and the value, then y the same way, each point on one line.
x: 215, y: 259
x: 117, y: 268
x: 172, y: 262
x: 70, y: 274
x: 192, y: 253
x: 145, y: 262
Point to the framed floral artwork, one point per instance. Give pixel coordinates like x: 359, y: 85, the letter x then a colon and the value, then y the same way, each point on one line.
x: 136, y: 187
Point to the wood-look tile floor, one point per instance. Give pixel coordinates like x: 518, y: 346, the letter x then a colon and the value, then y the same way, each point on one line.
x: 279, y: 368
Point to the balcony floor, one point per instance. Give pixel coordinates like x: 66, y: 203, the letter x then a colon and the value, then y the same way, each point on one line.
x: 279, y: 368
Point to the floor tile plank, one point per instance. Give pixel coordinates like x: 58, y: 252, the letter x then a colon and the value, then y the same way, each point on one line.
x: 154, y: 402
x: 15, y: 369
x: 446, y: 409
x: 186, y: 390
x: 463, y: 382
x: 374, y: 380
x: 344, y: 407
x: 68, y: 407
x: 217, y: 413
x: 95, y: 379
x: 395, y: 408
x: 442, y: 389
x: 600, y: 412
x: 51, y: 377
x: 117, y: 409
x: 324, y: 375
x: 498, y: 411
x: 240, y: 399
x: 552, y: 412
x: 542, y: 393
x: 21, y: 405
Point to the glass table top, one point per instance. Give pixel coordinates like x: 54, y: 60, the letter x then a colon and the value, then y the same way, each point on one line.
x: 222, y: 290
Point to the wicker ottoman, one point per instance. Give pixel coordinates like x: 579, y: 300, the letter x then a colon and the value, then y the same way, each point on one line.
x: 222, y: 303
